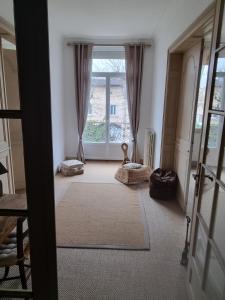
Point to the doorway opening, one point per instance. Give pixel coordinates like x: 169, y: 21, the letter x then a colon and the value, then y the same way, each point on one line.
x: 187, y: 72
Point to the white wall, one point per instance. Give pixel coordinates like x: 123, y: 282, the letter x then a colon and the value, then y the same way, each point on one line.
x: 174, y: 22
x: 57, y: 87
x: 71, y: 135
x: 146, y: 98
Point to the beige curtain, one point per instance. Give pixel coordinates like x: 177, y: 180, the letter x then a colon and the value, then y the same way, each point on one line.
x: 134, y: 65
x: 82, y: 60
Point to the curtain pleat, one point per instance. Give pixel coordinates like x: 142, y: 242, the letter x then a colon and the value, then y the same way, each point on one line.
x: 82, y: 66
x: 134, y: 68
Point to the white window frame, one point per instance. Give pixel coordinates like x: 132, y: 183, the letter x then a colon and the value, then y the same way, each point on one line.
x: 107, y: 76
x: 105, y: 150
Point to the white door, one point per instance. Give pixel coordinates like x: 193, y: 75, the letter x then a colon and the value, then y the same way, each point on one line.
x: 185, y: 118
x: 206, y: 267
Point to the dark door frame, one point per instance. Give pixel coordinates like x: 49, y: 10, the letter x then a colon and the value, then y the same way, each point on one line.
x: 31, y: 28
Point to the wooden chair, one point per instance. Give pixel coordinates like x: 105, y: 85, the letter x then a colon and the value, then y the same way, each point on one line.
x: 14, y: 251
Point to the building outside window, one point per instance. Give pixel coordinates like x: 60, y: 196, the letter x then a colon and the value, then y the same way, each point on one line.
x: 112, y: 109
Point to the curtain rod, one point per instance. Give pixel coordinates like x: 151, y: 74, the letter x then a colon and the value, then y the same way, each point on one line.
x: 110, y: 45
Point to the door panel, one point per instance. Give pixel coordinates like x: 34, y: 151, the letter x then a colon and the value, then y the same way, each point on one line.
x: 207, y: 193
x: 185, y: 116
x: 200, y: 248
x: 215, y: 279
x: 219, y: 226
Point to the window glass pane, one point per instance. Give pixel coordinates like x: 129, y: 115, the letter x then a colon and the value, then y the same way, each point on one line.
x: 215, y: 280
x: 219, y: 234
x: 202, y: 90
x: 207, y: 192
x: 200, y: 248
x: 219, y: 84
x: 10, y: 98
x: 119, y: 130
x: 108, y: 65
x: 95, y: 129
x: 213, y: 143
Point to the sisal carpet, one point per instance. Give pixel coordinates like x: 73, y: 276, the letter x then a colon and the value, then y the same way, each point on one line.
x: 101, y: 215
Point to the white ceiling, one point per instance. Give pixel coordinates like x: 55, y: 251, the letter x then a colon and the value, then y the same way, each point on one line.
x: 110, y: 18
x: 120, y: 18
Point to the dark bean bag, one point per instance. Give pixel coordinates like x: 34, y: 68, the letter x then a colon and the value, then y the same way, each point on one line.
x: 163, y: 184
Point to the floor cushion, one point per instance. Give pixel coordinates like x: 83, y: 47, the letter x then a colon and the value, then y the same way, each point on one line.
x: 133, y: 176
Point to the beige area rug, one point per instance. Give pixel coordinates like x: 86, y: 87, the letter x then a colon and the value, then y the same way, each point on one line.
x: 101, y: 215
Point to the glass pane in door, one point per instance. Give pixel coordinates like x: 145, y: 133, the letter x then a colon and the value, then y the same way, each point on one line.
x: 218, y: 101
x: 198, y: 125
x: 221, y: 174
x: 119, y: 126
x: 219, y: 227
x: 213, y: 141
x: 215, y: 280
x: 200, y: 248
x: 207, y: 193
x: 9, y: 61
x: 222, y: 35
x: 95, y: 129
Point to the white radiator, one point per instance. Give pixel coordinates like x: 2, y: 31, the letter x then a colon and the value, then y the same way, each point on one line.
x: 149, y: 148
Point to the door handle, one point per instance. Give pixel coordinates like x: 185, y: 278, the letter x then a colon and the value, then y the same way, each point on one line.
x: 196, y: 176
x: 209, y: 177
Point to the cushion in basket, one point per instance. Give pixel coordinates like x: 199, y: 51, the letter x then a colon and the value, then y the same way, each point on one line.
x: 132, y: 166
x: 72, y: 163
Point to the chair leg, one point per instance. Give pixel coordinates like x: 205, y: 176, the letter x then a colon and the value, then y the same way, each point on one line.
x: 22, y: 275
x: 5, y: 274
